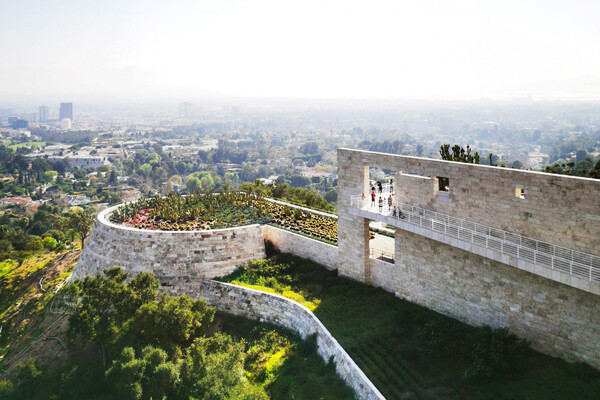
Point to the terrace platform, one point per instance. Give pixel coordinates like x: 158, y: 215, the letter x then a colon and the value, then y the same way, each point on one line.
x: 570, y: 267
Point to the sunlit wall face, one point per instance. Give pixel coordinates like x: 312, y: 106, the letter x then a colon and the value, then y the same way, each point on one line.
x: 313, y: 48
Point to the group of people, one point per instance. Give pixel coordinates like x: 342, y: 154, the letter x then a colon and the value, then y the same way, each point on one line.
x: 379, y: 186
x: 382, y: 201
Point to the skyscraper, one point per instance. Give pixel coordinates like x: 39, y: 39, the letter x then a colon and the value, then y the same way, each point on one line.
x: 44, y: 111
x: 66, y: 111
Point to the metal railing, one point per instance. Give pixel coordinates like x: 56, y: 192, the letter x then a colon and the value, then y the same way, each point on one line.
x: 573, y: 262
x: 381, y: 255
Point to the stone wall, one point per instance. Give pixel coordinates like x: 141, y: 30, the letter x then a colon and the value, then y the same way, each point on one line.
x: 280, y: 311
x: 383, y: 274
x: 302, y: 246
x: 562, y: 210
x: 169, y: 256
x: 558, y: 319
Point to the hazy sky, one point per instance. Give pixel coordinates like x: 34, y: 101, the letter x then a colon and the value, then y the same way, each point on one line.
x: 302, y: 48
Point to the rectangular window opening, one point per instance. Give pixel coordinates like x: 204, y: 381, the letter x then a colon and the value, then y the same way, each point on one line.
x: 520, y: 193
x: 444, y: 184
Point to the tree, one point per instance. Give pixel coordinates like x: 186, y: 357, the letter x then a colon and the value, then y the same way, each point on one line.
x: 580, y: 155
x: 192, y: 184
x: 595, y: 172
x: 101, y: 305
x: 145, y: 169
x: 113, y: 178
x: 81, y: 222
x: 458, y: 154
x: 151, y: 376
x: 172, y: 321
x: 309, y: 148
x: 49, y: 243
x: 213, y: 368
x: 24, y: 223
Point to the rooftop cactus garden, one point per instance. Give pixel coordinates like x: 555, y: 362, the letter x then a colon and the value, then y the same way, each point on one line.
x: 200, y: 211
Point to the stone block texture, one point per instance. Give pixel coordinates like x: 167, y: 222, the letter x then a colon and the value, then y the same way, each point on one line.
x: 556, y: 317
x: 562, y: 210
x: 189, y: 255
x: 280, y: 311
x: 559, y: 320
x: 382, y: 274
x: 302, y: 246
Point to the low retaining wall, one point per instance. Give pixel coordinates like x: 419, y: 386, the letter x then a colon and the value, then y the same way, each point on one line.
x: 170, y: 256
x: 284, y: 312
x: 288, y: 242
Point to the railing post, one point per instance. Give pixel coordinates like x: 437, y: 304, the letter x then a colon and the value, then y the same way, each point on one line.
x: 571, y: 267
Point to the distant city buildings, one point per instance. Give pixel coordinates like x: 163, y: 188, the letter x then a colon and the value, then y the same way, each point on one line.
x: 44, y: 112
x: 88, y: 162
x: 187, y: 110
x: 30, y: 117
x: 65, y: 124
x: 65, y: 111
x: 17, y: 123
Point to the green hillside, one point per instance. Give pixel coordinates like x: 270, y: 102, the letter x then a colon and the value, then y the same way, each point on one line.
x: 410, y: 352
x: 107, y: 338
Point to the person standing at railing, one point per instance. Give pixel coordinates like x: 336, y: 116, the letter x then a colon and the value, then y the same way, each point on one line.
x: 389, y: 203
x: 380, y: 186
x: 380, y: 204
x: 373, y: 198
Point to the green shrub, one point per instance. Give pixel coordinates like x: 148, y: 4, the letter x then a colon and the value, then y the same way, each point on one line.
x: 49, y: 243
x: 494, y: 352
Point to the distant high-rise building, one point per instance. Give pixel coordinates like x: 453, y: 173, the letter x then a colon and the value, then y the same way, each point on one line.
x: 66, y: 111
x: 30, y: 117
x: 44, y: 111
x: 184, y: 109
x: 187, y: 110
x: 65, y: 124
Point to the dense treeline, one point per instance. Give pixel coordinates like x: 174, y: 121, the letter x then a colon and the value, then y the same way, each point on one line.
x: 48, y: 227
x: 135, y: 344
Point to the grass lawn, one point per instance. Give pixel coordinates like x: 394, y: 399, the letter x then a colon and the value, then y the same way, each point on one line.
x: 28, y: 144
x: 410, y: 352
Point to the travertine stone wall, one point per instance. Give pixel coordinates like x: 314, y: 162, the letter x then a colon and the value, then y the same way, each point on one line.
x: 562, y: 210
x: 301, y: 246
x: 278, y: 310
x: 383, y: 274
x: 169, y: 255
x: 558, y: 319
x: 353, y: 236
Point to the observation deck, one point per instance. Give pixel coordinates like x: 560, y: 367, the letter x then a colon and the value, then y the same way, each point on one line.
x: 561, y: 264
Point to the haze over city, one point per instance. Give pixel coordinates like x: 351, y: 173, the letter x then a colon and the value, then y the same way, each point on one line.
x: 159, y: 51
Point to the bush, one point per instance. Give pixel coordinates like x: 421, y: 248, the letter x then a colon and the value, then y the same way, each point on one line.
x: 34, y: 244
x: 494, y: 352
x: 49, y: 243
x: 6, y: 389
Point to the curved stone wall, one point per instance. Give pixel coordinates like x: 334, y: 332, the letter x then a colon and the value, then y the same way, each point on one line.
x: 284, y: 312
x: 171, y: 256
